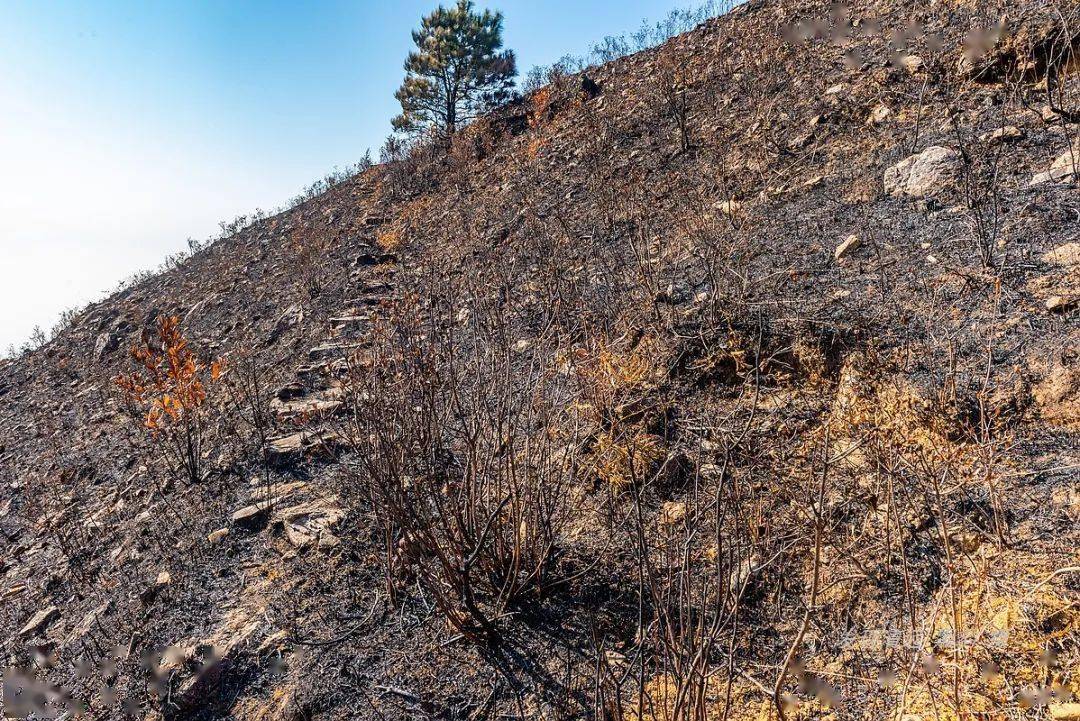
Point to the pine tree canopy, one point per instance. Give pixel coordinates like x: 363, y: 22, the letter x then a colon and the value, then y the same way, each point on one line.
x: 457, y: 72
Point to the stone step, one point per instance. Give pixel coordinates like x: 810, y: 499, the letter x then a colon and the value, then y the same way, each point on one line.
x: 377, y: 289
x: 361, y: 303
x: 333, y: 351
x: 313, y: 374
x: 289, y: 391
x: 311, y: 407
x: 367, y: 260
x: 285, y: 449
x: 350, y: 320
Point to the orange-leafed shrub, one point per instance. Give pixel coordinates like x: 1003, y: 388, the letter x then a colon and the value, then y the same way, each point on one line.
x: 167, y: 394
x: 540, y: 107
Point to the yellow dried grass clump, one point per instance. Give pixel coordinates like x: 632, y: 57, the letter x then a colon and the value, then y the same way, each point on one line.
x: 390, y: 239
x: 610, y: 374
x: 892, y: 414
x: 662, y: 700
x: 620, y: 461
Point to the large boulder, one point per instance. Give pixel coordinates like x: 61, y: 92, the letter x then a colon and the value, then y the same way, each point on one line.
x: 928, y: 173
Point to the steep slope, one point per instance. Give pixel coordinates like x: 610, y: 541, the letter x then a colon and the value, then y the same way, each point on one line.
x: 741, y: 380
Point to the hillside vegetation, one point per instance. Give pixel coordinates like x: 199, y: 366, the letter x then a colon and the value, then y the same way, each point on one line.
x: 735, y: 379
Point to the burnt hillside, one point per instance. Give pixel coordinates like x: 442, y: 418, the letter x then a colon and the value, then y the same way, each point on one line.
x: 741, y: 381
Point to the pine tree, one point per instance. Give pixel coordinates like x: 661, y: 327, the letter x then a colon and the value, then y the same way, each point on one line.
x: 457, y: 71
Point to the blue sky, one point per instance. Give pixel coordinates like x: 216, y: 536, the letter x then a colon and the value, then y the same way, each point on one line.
x: 127, y: 126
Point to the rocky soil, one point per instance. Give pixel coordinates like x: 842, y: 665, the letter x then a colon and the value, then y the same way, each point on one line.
x: 746, y: 375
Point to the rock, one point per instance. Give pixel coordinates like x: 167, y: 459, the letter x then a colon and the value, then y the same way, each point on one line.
x: 1059, y: 304
x: 292, y: 316
x: 255, y: 516
x: 1064, y: 169
x: 289, y: 391
x: 106, y: 343
x: 306, y: 407
x: 879, y: 114
x: 1065, y: 711
x: 312, y: 523
x: 1008, y: 134
x: 329, y: 351
x: 287, y: 448
x: 849, y: 246
x: 673, y: 512
x: 911, y: 63
x: 925, y: 174
x: 272, y: 643
x: 835, y: 90
x: 1063, y: 255
x: 218, y: 536
x: 372, y: 259
x: 40, y: 622
x: 348, y: 321
x: 1057, y: 395
x: 729, y: 207
x: 739, y: 577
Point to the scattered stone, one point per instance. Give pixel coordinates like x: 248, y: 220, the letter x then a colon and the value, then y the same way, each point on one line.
x: 292, y: 316
x: 911, y: 63
x: 307, y: 407
x: 879, y: 114
x: 1058, y: 304
x: 849, y: 246
x: 193, y: 314
x: 218, y: 536
x: 925, y: 174
x: 106, y: 343
x: 12, y: 591
x: 148, y: 595
x: 1065, y: 711
x: 312, y: 523
x: 835, y: 89
x: 1064, y: 169
x: 673, y: 512
x: 329, y: 351
x: 40, y: 622
x: 729, y: 207
x: 1008, y: 134
x: 1063, y: 255
x: 255, y: 516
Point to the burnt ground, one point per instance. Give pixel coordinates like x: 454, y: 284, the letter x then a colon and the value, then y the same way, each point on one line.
x: 740, y: 454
